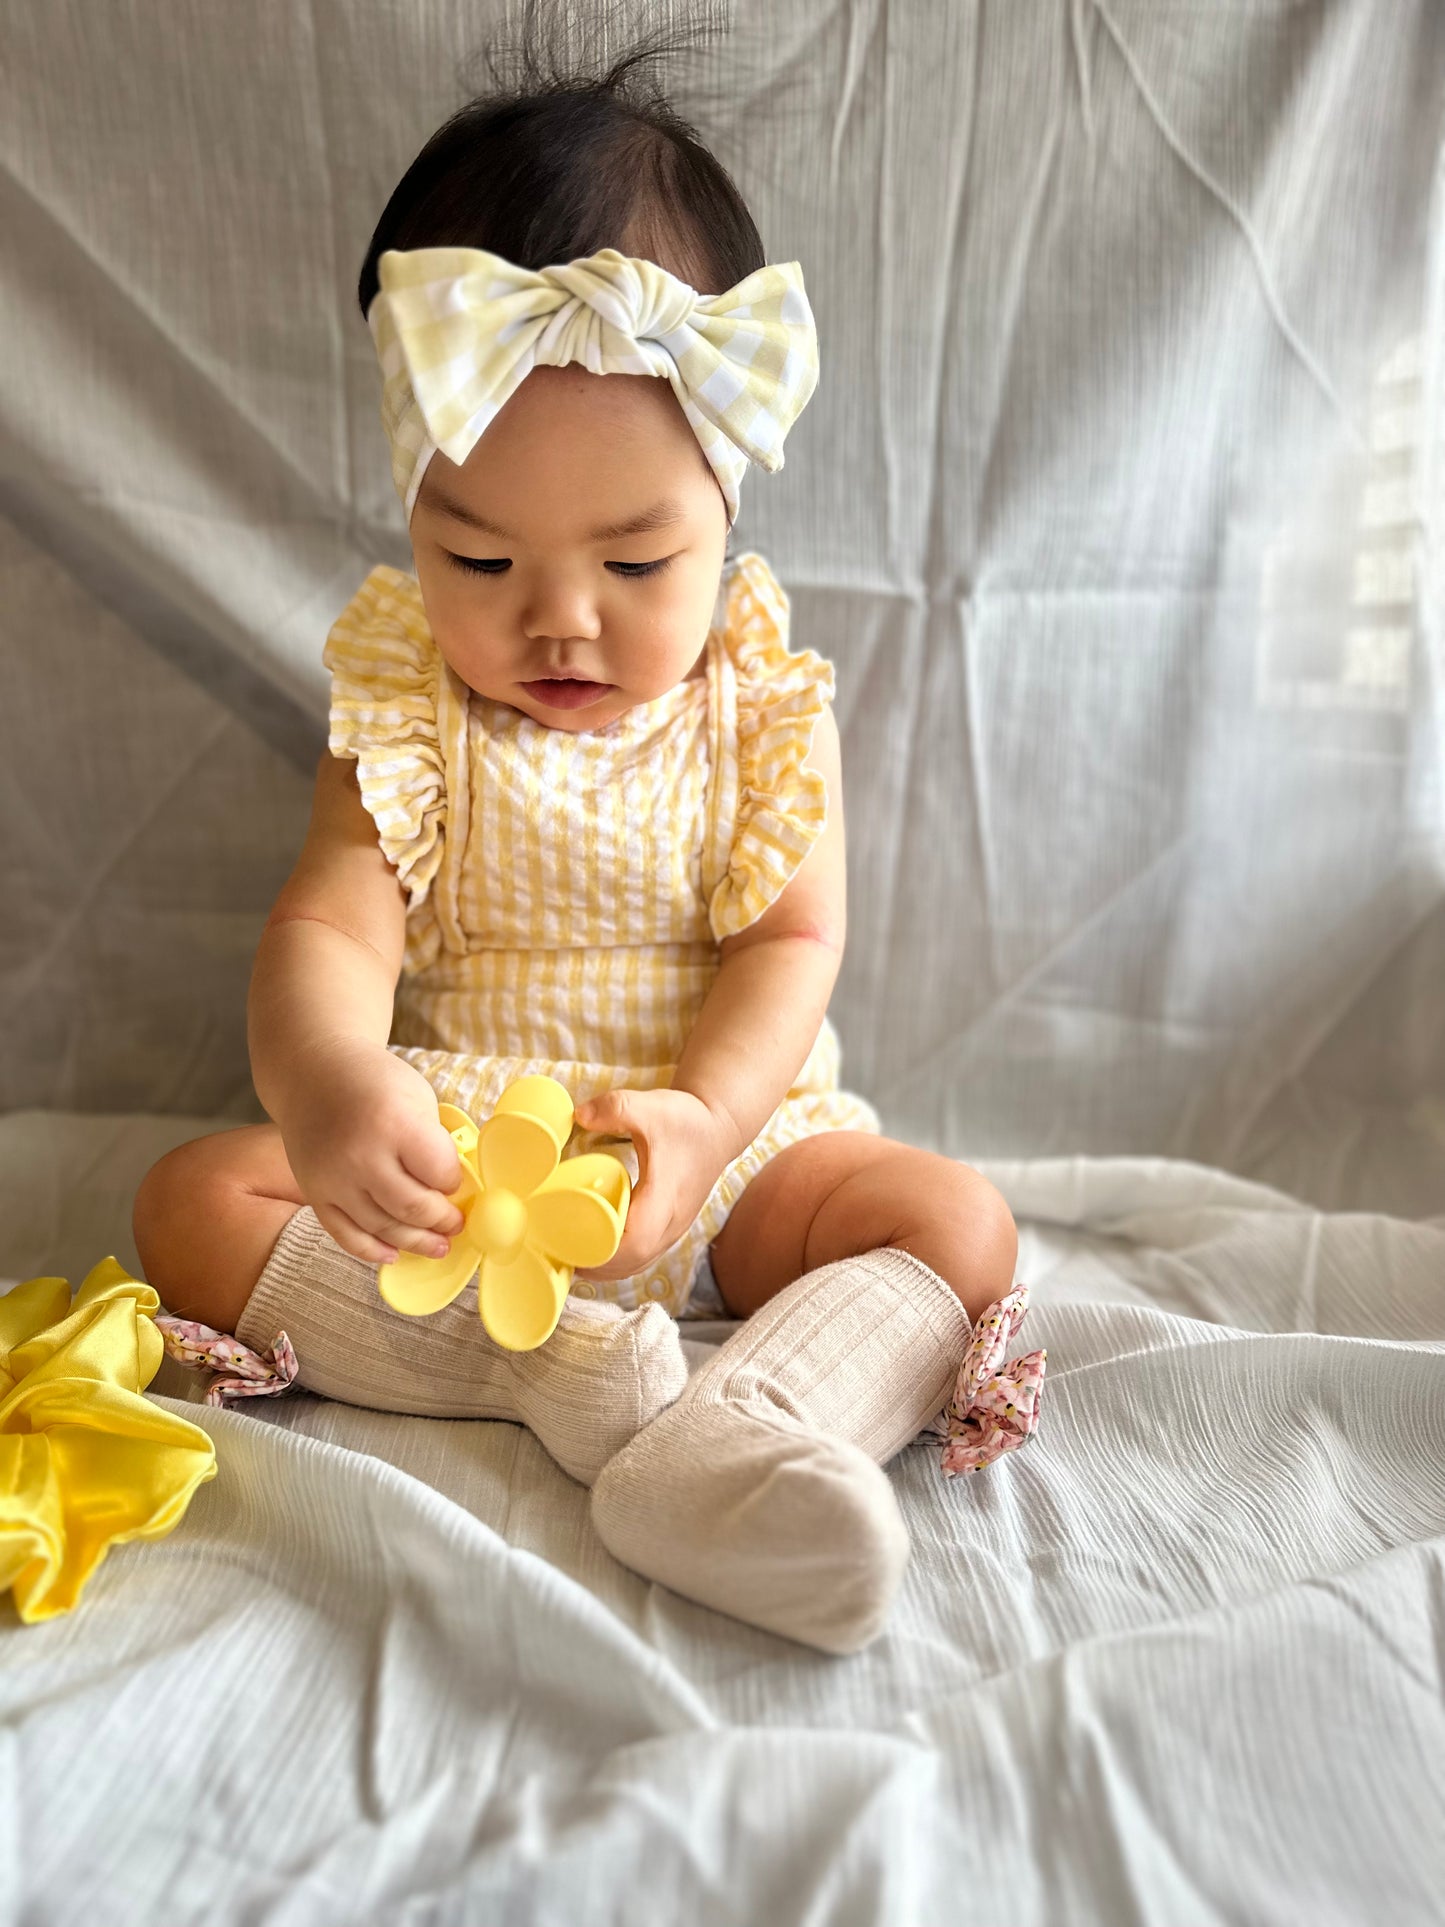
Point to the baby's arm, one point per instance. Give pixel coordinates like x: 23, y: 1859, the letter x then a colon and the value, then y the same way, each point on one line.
x: 763, y: 1013
x: 751, y: 1038
x: 360, y: 1127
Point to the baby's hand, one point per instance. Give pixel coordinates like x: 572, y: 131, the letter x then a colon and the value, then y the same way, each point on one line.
x: 373, y: 1158
x: 682, y: 1150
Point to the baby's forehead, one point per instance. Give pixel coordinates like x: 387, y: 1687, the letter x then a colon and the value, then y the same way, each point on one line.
x: 575, y: 449
x: 602, y: 418
x: 571, y: 386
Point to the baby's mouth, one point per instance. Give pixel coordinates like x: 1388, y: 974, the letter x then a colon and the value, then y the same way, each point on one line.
x: 566, y: 692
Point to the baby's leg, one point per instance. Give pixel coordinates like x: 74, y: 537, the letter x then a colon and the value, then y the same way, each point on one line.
x: 842, y: 1193
x: 860, y: 1265
x: 207, y: 1216
x: 226, y: 1238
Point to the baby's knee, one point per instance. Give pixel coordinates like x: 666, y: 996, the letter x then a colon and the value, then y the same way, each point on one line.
x: 156, y: 1199
x: 173, y: 1193
x: 201, y: 1232
x: 961, y: 1225
x: 992, y: 1234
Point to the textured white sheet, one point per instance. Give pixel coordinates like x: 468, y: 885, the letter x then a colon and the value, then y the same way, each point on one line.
x: 1182, y: 1661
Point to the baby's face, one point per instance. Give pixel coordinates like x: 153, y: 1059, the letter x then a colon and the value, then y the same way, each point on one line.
x: 545, y: 593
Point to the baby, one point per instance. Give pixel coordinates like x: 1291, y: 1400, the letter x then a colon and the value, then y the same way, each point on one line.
x: 581, y: 812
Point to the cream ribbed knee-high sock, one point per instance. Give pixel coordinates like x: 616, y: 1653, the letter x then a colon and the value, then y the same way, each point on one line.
x: 601, y: 1376
x: 758, y: 1491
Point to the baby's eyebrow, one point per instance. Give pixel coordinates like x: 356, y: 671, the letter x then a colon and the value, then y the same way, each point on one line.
x: 660, y: 516
x: 459, y: 512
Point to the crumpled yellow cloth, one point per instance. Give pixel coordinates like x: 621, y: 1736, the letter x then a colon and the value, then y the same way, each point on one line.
x: 85, y: 1461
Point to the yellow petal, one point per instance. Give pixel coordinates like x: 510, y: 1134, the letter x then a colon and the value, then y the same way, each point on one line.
x: 463, y: 1130
x: 544, y: 1099
x: 577, y: 1215
x: 419, y: 1286
x: 516, y: 1152
x: 521, y: 1302
x: 464, y: 1135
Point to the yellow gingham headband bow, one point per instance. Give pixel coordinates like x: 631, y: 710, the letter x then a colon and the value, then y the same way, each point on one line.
x: 458, y: 329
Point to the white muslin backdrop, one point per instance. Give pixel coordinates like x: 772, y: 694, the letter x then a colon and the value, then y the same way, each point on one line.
x: 1119, y: 509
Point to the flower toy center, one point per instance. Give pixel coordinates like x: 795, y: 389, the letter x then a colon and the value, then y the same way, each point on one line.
x: 531, y: 1217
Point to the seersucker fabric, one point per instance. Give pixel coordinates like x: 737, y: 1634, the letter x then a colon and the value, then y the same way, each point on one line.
x: 567, y: 891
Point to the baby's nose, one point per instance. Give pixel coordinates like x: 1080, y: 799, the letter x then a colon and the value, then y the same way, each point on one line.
x: 561, y: 616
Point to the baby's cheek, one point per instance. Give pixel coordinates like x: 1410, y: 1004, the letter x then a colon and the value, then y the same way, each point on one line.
x: 653, y: 670
x: 478, y: 660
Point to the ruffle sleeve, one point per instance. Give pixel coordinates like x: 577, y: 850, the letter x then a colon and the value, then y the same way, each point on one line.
x: 781, y: 807
x: 385, y: 674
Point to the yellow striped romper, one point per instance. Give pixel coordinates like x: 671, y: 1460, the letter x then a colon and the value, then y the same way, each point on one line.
x: 566, y: 892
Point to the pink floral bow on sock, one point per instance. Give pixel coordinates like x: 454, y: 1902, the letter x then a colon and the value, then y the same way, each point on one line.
x: 254, y: 1374
x: 995, y: 1405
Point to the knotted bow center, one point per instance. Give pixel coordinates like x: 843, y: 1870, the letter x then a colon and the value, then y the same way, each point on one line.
x: 605, y: 316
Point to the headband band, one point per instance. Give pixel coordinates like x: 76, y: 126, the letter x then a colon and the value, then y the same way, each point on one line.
x: 457, y: 330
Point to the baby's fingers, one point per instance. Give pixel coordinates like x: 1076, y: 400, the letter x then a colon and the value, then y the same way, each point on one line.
x: 411, y: 1206
x: 352, y: 1237
x: 405, y: 1233
x: 372, y: 1233
x: 426, y: 1154
x: 620, y: 1113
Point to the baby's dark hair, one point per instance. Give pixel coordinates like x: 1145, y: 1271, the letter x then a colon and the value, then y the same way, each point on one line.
x: 552, y: 163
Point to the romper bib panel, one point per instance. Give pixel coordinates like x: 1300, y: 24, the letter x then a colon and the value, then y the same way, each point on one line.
x: 567, y: 892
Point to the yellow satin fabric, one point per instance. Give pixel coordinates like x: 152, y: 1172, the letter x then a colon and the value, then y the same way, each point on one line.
x: 85, y: 1461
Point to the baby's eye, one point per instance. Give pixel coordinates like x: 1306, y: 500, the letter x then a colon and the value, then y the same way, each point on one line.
x: 478, y: 565
x: 641, y: 568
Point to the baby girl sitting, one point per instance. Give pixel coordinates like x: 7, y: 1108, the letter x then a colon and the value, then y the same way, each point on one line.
x: 581, y: 812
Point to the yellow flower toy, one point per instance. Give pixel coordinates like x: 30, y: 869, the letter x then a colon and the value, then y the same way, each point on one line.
x: 531, y: 1217
x: 85, y: 1461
